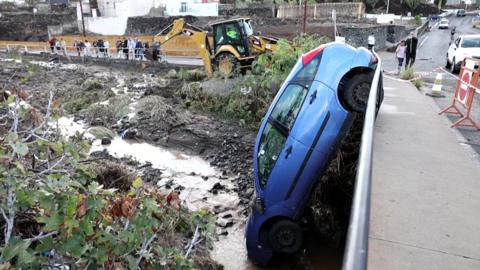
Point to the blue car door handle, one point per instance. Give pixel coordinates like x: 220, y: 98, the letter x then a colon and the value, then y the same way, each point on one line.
x: 313, y: 96
x: 288, y: 151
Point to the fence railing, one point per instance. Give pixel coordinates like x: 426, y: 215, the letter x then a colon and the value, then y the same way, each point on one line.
x: 102, y: 52
x: 356, y: 249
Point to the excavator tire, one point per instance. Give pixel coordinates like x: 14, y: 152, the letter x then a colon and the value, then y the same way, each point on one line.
x: 226, y: 64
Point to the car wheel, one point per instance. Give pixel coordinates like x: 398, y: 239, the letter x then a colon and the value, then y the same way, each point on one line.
x: 448, y: 65
x: 355, y: 91
x: 453, y: 66
x: 285, y: 237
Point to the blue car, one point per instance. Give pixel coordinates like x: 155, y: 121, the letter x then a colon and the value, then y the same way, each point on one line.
x: 309, y: 117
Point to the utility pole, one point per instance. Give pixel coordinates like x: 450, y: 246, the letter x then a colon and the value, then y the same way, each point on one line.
x: 440, y: 5
x: 388, y: 5
x: 83, y: 21
x: 305, y: 16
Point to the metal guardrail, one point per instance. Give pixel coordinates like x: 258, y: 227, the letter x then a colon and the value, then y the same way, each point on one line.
x: 356, y: 249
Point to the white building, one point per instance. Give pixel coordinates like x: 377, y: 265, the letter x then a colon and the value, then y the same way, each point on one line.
x: 112, y: 15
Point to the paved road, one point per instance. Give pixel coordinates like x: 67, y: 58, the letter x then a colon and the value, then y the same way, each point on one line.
x: 431, y: 54
x: 424, y: 205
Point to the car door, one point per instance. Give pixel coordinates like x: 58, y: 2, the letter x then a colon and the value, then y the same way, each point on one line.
x: 280, y: 155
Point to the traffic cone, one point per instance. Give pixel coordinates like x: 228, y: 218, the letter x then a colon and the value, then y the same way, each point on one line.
x: 437, y: 87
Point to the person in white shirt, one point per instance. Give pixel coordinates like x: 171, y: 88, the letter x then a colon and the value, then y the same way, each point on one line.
x: 88, y: 48
x: 63, y: 44
x: 106, y: 46
x: 131, y: 48
x: 371, y: 41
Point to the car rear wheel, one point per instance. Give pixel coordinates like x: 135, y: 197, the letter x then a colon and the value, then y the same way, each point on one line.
x: 285, y: 237
x: 354, y: 91
x: 453, y: 66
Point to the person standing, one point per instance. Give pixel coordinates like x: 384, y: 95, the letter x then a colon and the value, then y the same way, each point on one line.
x: 106, y: 45
x: 400, y: 54
x: 411, y: 52
x: 52, y: 43
x: 63, y: 44
x: 371, y: 41
x: 88, y: 47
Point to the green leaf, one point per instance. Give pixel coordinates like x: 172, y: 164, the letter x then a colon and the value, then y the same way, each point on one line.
x: 75, y: 246
x: 20, y: 167
x: 132, y: 262
x: 72, y: 206
x: 11, y: 99
x: 138, y: 182
x: 14, y: 248
x: 86, y: 227
x: 53, y: 223
x: 20, y: 148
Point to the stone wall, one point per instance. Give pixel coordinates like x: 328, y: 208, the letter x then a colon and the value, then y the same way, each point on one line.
x: 23, y: 26
x: 323, y: 11
x: 384, y: 34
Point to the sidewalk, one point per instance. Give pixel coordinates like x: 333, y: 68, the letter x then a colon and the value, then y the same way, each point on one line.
x: 425, y: 208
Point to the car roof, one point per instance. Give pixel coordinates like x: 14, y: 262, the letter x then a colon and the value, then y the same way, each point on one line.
x: 444, y: 20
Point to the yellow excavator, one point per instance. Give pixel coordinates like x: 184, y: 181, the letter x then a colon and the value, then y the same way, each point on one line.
x: 231, y: 45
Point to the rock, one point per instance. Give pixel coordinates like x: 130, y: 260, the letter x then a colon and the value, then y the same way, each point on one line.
x: 172, y: 73
x: 106, y: 141
x: 223, y: 231
x: 249, y: 192
x: 205, y: 178
x: 131, y: 134
x: 224, y: 222
x: 216, y: 187
x: 227, y: 216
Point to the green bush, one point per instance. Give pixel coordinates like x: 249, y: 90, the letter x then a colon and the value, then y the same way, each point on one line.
x: 407, y: 74
x: 418, y: 84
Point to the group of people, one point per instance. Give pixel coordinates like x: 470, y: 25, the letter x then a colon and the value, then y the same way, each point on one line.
x: 407, y: 50
x: 129, y: 49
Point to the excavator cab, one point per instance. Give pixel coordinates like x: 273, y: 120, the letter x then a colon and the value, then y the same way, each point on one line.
x: 236, y: 46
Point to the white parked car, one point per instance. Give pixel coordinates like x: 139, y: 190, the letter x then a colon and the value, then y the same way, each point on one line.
x: 443, y: 24
x: 463, y: 46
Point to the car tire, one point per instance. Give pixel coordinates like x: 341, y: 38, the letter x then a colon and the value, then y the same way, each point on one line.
x: 355, y: 91
x: 448, y: 65
x: 285, y: 237
x: 453, y: 66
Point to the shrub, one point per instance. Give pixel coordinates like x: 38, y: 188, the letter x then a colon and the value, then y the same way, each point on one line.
x: 407, y: 74
x: 418, y: 84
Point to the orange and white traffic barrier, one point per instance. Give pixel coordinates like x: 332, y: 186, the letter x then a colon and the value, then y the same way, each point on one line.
x: 464, y: 94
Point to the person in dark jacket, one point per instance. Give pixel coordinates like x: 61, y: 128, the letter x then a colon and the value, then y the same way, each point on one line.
x: 125, y: 47
x: 411, y: 52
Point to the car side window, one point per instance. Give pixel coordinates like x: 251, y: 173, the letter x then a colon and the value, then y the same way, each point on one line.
x: 457, y: 42
x: 271, y: 145
x: 276, y: 131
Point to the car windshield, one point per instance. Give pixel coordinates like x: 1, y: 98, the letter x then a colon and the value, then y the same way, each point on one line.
x: 471, y: 43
